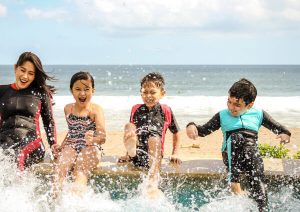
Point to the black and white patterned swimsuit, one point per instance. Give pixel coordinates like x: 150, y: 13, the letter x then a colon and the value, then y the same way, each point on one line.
x: 78, y: 126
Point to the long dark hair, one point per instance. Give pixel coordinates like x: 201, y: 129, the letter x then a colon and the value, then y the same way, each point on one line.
x: 40, y: 75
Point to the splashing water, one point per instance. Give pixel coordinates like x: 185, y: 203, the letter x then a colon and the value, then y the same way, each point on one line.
x: 28, y: 192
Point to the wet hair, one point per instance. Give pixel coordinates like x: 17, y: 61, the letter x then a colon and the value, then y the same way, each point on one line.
x: 81, y: 75
x: 243, y: 89
x: 40, y: 75
x: 155, y: 78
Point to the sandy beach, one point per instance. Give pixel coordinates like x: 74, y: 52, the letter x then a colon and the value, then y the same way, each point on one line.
x: 208, y: 147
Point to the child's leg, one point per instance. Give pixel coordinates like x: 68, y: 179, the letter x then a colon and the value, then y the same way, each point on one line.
x: 63, y: 165
x: 88, y: 159
x: 130, y: 139
x: 154, y: 151
x: 255, y: 177
x: 236, y: 188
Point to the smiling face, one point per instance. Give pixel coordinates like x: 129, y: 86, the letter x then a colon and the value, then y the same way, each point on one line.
x: 237, y: 106
x: 82, y: 91
x: 25, y: 74
x: 151, y: 94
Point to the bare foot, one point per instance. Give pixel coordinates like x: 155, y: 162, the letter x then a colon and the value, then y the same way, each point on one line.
x: 130, y: 145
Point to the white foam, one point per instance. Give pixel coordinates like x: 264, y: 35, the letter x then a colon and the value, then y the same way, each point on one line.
x: 199, y: 109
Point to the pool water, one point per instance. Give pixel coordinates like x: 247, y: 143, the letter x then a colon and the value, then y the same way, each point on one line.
x: 199, y: 193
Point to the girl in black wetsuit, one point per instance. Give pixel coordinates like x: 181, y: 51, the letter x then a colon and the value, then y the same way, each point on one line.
x: 21, y: 105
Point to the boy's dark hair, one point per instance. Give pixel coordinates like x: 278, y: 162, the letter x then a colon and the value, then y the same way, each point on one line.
x: 81, y: 75
x: 243, y: 89
x: 155, y: 78
x: 40, y: 75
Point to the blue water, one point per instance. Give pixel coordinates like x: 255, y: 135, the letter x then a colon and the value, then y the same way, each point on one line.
x: 181, y: 80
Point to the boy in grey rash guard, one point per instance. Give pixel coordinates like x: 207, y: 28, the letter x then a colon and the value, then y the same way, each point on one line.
x: 240, y: 124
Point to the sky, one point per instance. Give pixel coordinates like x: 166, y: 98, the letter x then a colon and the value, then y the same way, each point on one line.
x: 151, y: 31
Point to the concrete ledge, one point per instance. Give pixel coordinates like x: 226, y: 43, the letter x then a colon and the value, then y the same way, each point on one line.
x: 203, y: 167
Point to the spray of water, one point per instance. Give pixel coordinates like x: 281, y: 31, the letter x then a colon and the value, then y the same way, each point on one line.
x: 28, y: 192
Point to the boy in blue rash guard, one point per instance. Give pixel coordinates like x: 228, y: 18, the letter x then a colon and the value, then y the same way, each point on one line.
x: 240, y: 124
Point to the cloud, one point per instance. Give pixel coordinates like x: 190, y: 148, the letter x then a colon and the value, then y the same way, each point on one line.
x: 229, y: 15
x: 56, y: 14
x: 2, y: 10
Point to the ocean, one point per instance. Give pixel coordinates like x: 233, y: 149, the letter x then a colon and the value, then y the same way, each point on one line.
x: 194, y: 92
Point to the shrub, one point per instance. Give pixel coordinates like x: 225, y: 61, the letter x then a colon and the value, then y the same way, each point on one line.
x: 297, y: 156
x: 269, y: 151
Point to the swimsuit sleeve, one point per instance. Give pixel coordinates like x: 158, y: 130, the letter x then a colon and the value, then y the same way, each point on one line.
x: 174, y: 128
x: 212, y: 125
x: 48, y: 119
x: 273, y: 125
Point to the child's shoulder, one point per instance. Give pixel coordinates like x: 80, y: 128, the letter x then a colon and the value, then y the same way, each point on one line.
x: 95, y: 108
x: 68, y: 107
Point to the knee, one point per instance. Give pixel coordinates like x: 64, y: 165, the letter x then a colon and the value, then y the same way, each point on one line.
x: 129, y: 126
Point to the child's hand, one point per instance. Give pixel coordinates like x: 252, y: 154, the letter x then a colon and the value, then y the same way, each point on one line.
x: 175, y: 159
x: 284, y: 138
x: 99, y: 137
x: 89, y: 137
x: 55, y: 149
x: 192, y: 132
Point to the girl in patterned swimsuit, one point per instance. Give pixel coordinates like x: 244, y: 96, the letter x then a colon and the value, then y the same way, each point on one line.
x: 81, y: 149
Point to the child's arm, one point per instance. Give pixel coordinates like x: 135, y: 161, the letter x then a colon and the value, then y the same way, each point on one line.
x: 282, y: 132
x: 176, y: 143
x: 99, y: 136
x: 193, y: 130
x: 174, y: 128
x: 56, y: 148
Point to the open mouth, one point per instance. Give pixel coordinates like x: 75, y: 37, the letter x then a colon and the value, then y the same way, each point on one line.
x: 23, y: 81
x: 82, y: 99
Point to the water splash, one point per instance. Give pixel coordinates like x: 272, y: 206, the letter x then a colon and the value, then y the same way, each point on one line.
x: 28, y: 192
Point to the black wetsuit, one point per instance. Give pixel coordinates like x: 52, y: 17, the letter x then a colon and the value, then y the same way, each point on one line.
x: 20, y: 134
x: 150, y: 123
x: 245, y: 156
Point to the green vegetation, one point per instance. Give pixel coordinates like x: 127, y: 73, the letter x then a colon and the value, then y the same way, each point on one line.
x: 297, y: 155
x: 269, y: 151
